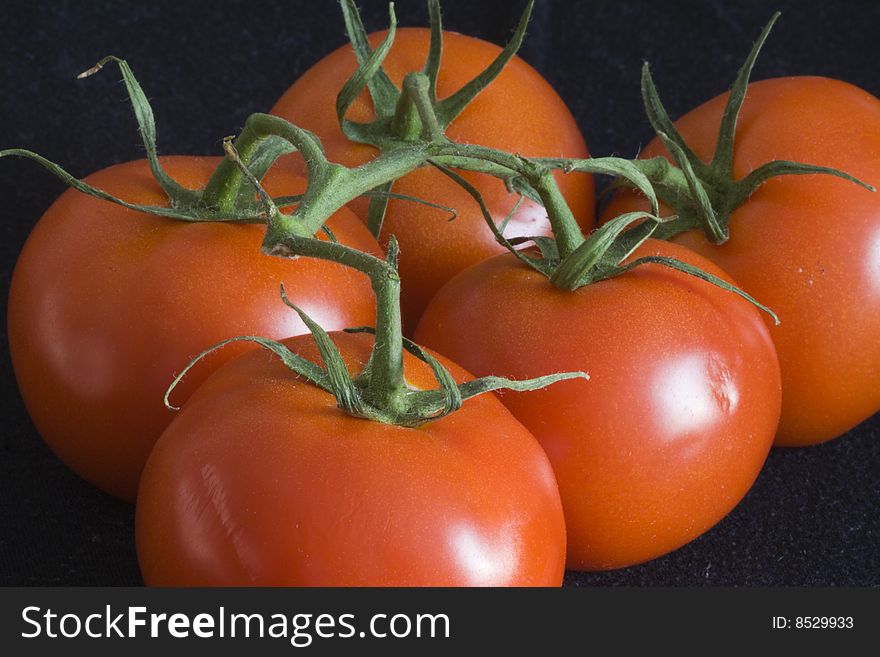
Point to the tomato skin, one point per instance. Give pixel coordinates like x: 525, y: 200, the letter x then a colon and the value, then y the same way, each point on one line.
x: 519, y: 112
x: 107, y: 305
x: 806, y: 246
x: 678, y: 415
x: 262, y: 481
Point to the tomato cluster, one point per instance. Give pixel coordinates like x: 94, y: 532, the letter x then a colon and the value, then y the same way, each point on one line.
x: 669, y: 384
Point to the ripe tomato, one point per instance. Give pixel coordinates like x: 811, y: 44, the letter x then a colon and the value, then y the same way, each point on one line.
x: 107, y: 304
x: 806, y: 246
x: 261, y: 480
x: 678, y: 415
x: 518, y: 112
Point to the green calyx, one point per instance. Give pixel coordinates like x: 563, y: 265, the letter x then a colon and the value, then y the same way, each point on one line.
x: 703, y: 195
x: 600, y: 256
x: 398, y: 119
x: 225, y: 198
x: 378, y: 392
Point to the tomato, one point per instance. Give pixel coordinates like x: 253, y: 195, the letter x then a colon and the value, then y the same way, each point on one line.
x: 518, y: 112
x: 678, y: 415
x: 262, y: 480
x: 806, y: 246
x: 108, y: 304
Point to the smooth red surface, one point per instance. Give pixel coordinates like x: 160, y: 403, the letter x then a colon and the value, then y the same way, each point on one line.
x: 108, y: 304
x: 678, y: 415
x: 807, y: 246
x: 262, y: 480
x: 519, y: 112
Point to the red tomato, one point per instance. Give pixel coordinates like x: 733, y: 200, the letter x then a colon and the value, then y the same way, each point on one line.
x: 261, y: 480
x: 518, y: 112
x: 678, y: 415
x: 108, y: 304
x: 806, y: 246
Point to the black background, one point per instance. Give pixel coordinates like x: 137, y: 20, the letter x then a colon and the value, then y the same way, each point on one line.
x: 813, y: 517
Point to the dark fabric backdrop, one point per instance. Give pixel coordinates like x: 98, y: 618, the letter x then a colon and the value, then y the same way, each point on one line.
x: 812, y: 518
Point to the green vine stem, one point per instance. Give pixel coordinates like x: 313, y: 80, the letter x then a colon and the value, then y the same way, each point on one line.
x: 572, y: 261
x: 379, y: 392
x: 703, y: 195
x: 331, y: 185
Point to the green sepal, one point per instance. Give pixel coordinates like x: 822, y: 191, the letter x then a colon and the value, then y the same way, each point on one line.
x: 287, y: 201
x: 590, y: 260
x: 674, y: 263
x: 449, y: 108
x: 542, y: 264
x: 660, y: 121
x: 546, y: 247
x: 382, y: 90
x: 296, y: 363
x: 491, y: 383
x: 451, y: 393
x: 723, y: 158
x: 435, y: 48
x: 519, y: 185
x: 178, y: 195
x: 629, y: 240
x: 434, y: 404
x: 705, y: 213
x: 271, y: 211
x: 745, y: 187
x: 369, y: 74
x: 190, y: 205
x: 453, y: 213
x: 378, y: 208
x: 617, y: 167
x: 395, y: 120
x: 341, y: 383
x: 190, y: 215
x: 549, y: 263
x: 600, y: 257
x: 513, y: 210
